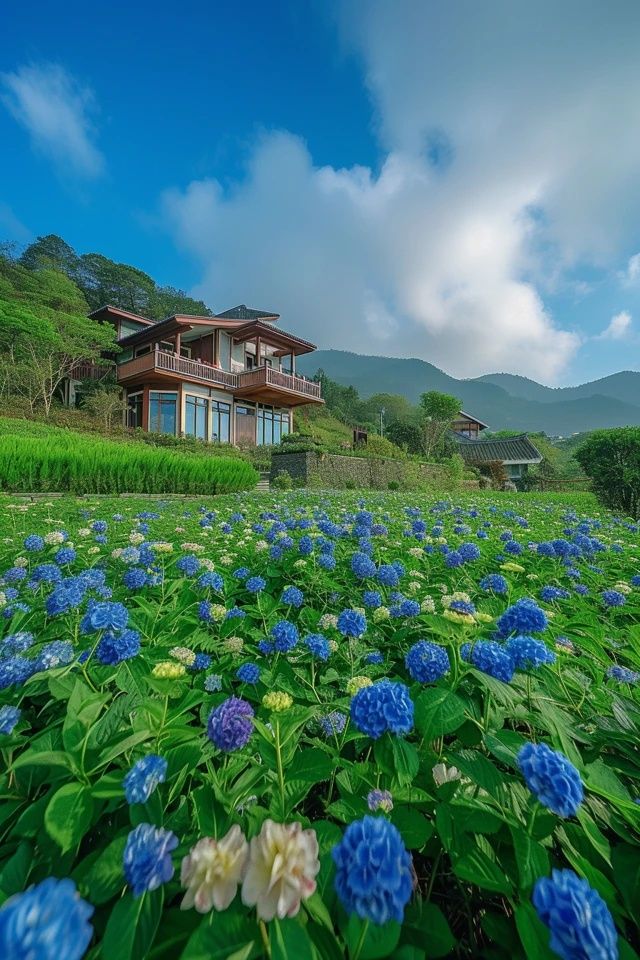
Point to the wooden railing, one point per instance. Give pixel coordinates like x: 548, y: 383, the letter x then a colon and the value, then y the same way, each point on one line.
x: 267, y: 376
x: 171, y: 363
x: 89, y: 371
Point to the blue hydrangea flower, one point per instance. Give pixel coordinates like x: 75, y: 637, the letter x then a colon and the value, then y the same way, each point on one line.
x: 230, y: 725
x: 285, y: 636
x: 99, y: 526
x: 374, y: 657
x: 469, y: 551
x: 241, y: 573
x: 524, y: 616
x: 495, y: 583
x: 57, y: 653
x: 552, y: 778
x: 427, y: 662
x: 188, y: 564
x: 293, y: 596
x: 333, y: 723
x: 105, y: 616
x: 578, y: 919
x: 388, y: 575
x: 374, y: 877
x: 33, y: 543
x: 46, y: 922
x: 248, y: 673
x: 213, y: 683
x: 491, y: 658
x: 380, y: 800
x: 255, y: 584
x: 623, y: 674
x: 64, y: 556
x: 144, y: 777
x: 352, y: 623
x: 462, y: 606
x: 363, y: 566
x: 613, y: 598
x: 134, y: 578
x: 15, y: 670
x: 9, y: 717
x: 113, y: 648
x: 453, y: 559
x: 212, y: 580
x: 327, y: 561
x: 201, y: 661
x: 529, y: 652
x: 372, y: 599
x: 550, y: 594
x: 318, y: 645
x: 382, y: 706
x: 147, y: 858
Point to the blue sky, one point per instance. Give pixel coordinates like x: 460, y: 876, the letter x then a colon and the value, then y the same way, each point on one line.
x: 457, y: 184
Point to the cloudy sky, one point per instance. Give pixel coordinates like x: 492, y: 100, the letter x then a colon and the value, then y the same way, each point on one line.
x: 457, y: 182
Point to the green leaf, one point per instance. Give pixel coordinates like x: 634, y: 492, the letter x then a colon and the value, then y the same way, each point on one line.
x: 438, y: 711
x: 414, y: 828
x: 476, y: 867
x: 533, y: 934
x: 105, y: 878
x: 532, y: 858
x: 479, y: 769
x: 406, y: 760
x: 378, y: 941
x: 15, y: 872
x: 289, y: 940
x: 426, y: 926
x: 312, y: 765
x: 222, y: 936
x: 68, y: 815
x: 132, y: 926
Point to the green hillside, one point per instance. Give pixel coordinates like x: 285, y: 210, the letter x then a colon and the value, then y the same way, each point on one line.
x: 504, y: 401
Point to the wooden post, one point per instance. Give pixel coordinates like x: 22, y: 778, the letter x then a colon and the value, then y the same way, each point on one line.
x: 258, y: 345
x: 177, y: 346
x: 145, y: 408
x: 293, y: 364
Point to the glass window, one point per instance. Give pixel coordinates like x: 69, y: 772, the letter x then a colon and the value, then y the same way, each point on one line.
x: 220, y: 422
x: 196, y: 409
x: 272, y: 425
x: 140, y: 351
x: 225, y: 351
x: 162, y: 412
x: 134, y: 413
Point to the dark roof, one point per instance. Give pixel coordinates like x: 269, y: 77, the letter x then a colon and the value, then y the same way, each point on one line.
x: 243, y: 312
x: 108, y: 310
x: 506, y: 449
x: 467, y: 416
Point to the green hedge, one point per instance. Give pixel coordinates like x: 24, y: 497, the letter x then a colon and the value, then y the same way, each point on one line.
x: 58, y: 461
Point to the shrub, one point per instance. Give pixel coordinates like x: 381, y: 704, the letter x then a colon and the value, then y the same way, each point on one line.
x: 282, y: 481
x: 611, y: 459
x: 394, y: 485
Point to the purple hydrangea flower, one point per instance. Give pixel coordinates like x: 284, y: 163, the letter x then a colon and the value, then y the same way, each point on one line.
x: 230, y: 725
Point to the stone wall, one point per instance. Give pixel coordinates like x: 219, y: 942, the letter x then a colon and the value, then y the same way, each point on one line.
x: 332, y: 471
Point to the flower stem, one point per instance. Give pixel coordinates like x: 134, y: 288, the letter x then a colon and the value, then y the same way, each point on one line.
x: 279, y: 766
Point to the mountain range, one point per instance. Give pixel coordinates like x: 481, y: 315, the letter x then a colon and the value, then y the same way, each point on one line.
x: 501, y: 400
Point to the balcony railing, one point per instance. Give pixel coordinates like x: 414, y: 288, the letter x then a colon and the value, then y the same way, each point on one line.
x: 171, y: 364
x: 90, y: 371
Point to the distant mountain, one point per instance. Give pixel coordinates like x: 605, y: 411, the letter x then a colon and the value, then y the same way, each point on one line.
x: 502, y: 400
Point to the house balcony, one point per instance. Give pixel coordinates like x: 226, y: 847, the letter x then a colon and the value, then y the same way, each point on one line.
x: 263, y: 384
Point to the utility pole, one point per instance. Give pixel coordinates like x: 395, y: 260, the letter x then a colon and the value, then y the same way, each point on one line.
x: 382, y: 413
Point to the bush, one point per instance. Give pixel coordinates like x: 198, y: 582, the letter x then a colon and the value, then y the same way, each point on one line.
x: 611, y: 459
x: 282, y: 481
x: 57, y: 460
x: 394, y: 485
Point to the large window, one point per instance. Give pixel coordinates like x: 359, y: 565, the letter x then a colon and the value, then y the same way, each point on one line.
x: 196, y: 417
x: 220, y: 422
x: 162, y: 412
x: 272, y: 425
x: 134, y: 411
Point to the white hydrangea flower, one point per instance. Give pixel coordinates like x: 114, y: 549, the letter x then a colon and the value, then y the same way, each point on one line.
x: 136, y: 538
x: 283, y: 864
x: 20, y: 562
x: 212, y: 871
x: 54, y: 537
x: 444, y: 774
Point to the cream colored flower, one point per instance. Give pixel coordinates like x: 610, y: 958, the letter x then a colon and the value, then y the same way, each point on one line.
x: 84, y: 532
x: 183, y: 654
x: 212, y: 871
x: 277, y: 701
x: 283, y: 865
x: 166, y: 670
x: 207, y: 563
x: 136, y: 538
x: 444, y: 774
x: 192, y: 547
x: 3, y: 600
x: 462, y: 618
x: 260, y: 545
x: 357, y: 683
x: 622, y: 587
x: 233, y: 645
x: 428, y: 605
x: 93, y: 550
x: 54, y: 537
x: 512, y: 567
x: 217, y: 611
x: 226, y: 560
x: 21, y: 562
x: 328, y: 620
x: 163, y: 547
x: 380, y: 614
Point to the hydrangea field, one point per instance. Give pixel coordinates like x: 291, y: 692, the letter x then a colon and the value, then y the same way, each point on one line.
x: 313, y: 726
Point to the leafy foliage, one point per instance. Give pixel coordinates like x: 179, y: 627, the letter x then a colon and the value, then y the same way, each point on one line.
x: 452, y: 787
x: 611, y: 458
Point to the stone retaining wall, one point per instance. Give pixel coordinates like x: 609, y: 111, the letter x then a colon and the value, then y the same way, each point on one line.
x: 332, y: 471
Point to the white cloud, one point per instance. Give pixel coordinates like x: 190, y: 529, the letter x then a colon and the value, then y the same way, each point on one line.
x: 449, y: 263
x: 619, y: 327
x: 56, y: 111
x: 631, y: 275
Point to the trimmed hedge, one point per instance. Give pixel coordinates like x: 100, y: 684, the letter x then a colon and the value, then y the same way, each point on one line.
x: 60, y: 461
